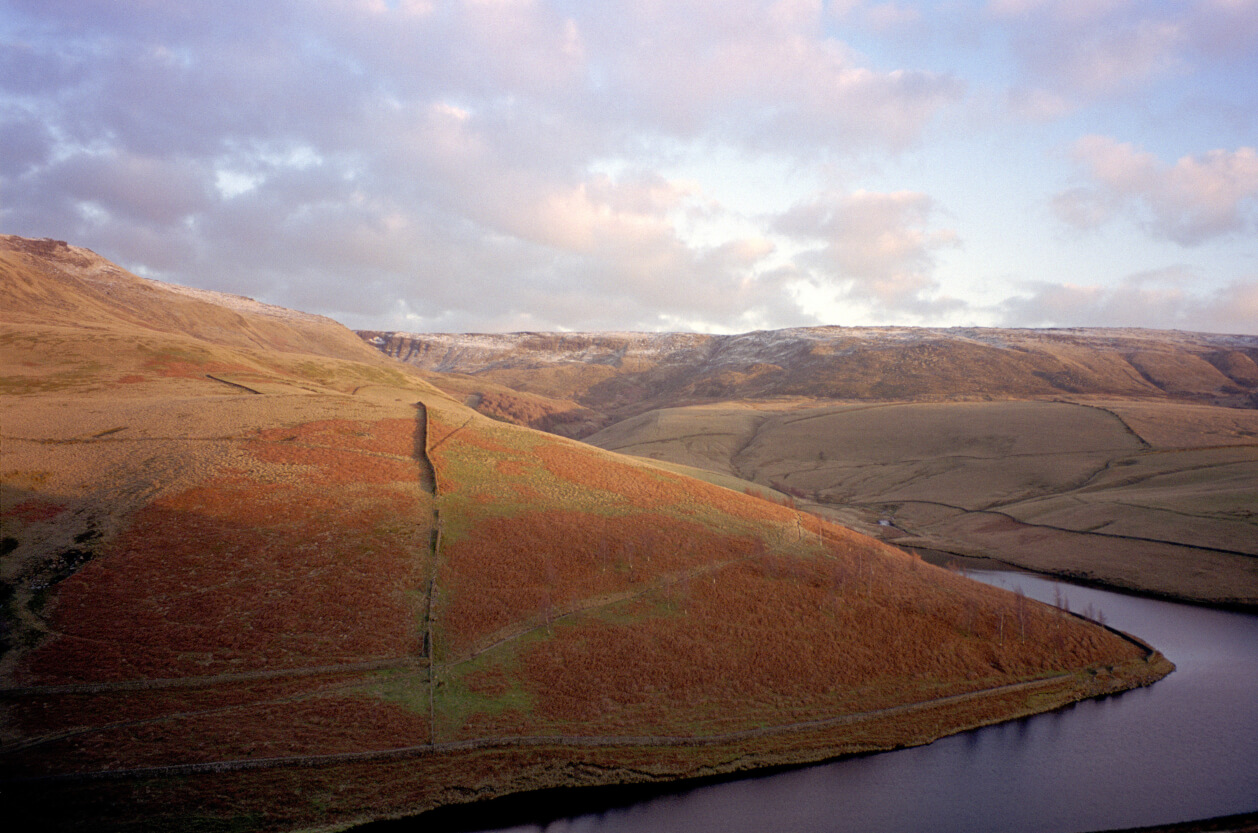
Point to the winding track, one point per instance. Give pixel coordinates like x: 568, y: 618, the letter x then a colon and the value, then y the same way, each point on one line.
x: 574, y: 741
x: 428, y: 481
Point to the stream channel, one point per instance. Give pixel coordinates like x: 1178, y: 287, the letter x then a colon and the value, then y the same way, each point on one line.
x: 1185, y: 748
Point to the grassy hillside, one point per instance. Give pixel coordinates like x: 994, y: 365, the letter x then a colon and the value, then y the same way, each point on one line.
x: 255, y: 581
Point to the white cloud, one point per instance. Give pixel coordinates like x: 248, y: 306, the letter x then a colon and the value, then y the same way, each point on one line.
x: 1098, y: 64
x: 1195, y: 199
x: 1168, y: 299
x: 1037, y: 104
x: 1062, y: 12
x: 1223, y: 28
x: 882, y: 17
x: 621, y: 164
x: 874, y: 247
x: 757, y: 71
x: 1104, y: 50
x: 885, y: 16
x: 302, y: 151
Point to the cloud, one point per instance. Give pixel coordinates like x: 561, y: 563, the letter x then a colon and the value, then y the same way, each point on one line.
x: 448, y: 159
x: 757, y: 70
x: 1083, y: 52
x: 1224, y: 28
x: 1165, y: 299
x: 520, y: 251
x: 1189, y: 202
x: 151, y: 191
x: 1095, y: 48
x: 1037, y: 104
x: 487, y: 164
x: 26, y: 141
x: 881, y: 17
x: 876, y: 247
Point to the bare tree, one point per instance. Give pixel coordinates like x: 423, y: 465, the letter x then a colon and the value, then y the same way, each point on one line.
x: 1059, y: 599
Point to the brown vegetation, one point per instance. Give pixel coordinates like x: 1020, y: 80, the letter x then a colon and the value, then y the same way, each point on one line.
x: 613, y: 376
x: 535, y: 565
x: 386, y: 436
x: 314, y: 724
x: 235, y: 576
x: 866, y: 632
x: 32, y: 510
x: 335, y: 467
x: 646, y: 489
x: 1148, y: 496
x: 225, y: 581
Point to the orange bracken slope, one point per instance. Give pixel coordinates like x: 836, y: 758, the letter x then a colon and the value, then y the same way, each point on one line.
x: 256, y: 578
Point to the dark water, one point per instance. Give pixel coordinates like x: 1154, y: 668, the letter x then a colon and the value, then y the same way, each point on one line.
x: 1185, y: 748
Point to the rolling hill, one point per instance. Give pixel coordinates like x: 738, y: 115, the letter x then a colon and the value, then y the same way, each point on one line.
x: 258, y: 576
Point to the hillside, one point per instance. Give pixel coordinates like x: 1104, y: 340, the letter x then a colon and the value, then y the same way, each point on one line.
x: 259, y: 577
x: 1123, y: 457
x: 50, y: 284
x: 1152, y: 496
x: 577, y: 383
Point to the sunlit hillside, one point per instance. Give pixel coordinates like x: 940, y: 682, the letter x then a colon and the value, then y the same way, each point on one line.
x: 259, y: 576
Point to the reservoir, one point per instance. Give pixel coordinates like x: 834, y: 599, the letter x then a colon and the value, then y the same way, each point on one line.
x: 1185, y: 748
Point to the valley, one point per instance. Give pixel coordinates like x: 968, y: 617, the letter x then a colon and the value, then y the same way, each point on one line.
x: 1126, y: 458
x: 259, y: 576
x: 1060, y: 488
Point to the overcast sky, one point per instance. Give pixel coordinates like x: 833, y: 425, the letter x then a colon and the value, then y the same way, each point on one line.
x: 719, y: 166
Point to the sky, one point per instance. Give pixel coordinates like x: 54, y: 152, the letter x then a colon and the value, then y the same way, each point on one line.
x: 712, y: 166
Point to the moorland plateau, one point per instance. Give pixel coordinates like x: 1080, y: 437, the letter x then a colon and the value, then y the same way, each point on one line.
x: 1123, y: 457
x: 259, y: 576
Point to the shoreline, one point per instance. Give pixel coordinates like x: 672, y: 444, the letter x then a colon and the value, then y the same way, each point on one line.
x: 515, y: 808
x: 1236, y: 823
x: 749, y: 763
x: 523, y: 770
x: 942, y: 558
x: 451, y: 780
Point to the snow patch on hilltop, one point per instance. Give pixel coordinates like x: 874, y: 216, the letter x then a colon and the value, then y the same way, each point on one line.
x: 245, y: 305
x: 476, y: 352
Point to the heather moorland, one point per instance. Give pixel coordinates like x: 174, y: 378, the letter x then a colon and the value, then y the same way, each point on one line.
x: 259, y: 576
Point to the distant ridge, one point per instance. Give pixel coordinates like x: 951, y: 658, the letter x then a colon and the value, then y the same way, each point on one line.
x: 576, y: 383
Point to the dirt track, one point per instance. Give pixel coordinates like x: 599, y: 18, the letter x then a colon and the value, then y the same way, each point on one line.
x: 544, y: 741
